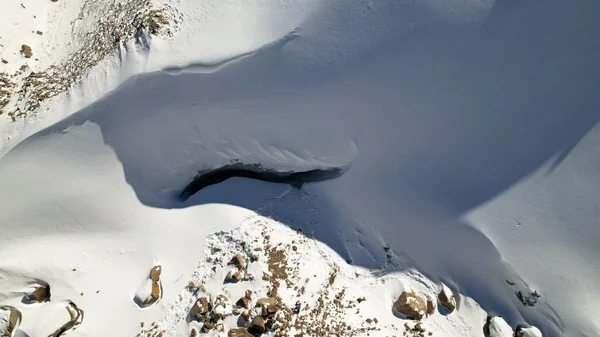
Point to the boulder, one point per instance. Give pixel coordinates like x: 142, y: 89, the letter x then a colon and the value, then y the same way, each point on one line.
x: 194, y: 333
x: 40, y: 294
x: 237, y: 260
x: 243, y: 302
x: 200, y: 308
x: 234, y: 276
x: 10, y: 319
x: 446, y: 298
x: 430, y: 307
x: 26, y: 51
x: 257, y: 327
x: 527, y: 331
x: 411, y: 305
x: 155, y: 273
x: 496, y: 326
x: 207, y: 327
x: 266, y: 301
x: 248, y: 294
x: 239, y: 332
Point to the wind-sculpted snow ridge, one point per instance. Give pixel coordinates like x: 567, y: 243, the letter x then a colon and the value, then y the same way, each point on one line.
x: 259, y: 172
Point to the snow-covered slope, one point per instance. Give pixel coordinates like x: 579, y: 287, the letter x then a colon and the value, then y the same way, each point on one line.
x: 468, y: 128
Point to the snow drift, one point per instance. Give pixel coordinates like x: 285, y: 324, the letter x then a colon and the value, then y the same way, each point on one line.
x: 445, y: 110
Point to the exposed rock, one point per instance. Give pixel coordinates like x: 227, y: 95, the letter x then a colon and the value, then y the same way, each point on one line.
x: 155, y: 273
x: 194, y: 333
x: 10, y: 319
x: 40, y: 294
x: 430, y: 307
x: 4, y: 61
x: 243, y: 302
x: 239, y: 332
x: 497, y: 327
x: 411, y: 305
x: 207, y: 327
x: 26, y: 51
x: 257, y: 327
x: 446, y: 298
x: 39, y: 33
x: 200, y: 308
x: 246, y: 315
x: 266, y: 301
x: 76, y: 318
x: 234, y: 276
x: 248, y: 294
x: 527, y: 331
x: 237, y: 260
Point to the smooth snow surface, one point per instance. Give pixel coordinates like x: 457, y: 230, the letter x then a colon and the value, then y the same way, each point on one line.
x: 468, y: 126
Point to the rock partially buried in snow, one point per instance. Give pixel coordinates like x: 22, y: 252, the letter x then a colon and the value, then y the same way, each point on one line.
x: 411, y: 305
x: 234, y: 276
x: 497, y: 327
x: 10, y: 319
x: 527, y: 331
x: 41, y: 293
x: 257, y: 327
x: 446, y: 298
x: 151, y: 291
x: 239, y: 332
x: 26, y: 51
x: 200, y: 308
x: 237, y: 260
x: 76, y: 317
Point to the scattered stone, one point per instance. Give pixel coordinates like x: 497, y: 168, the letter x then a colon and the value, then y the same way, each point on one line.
x: 236, y: 312
x: 257, y: 327
x: 234, y: 276
x: 361, y: 299
x: 207, y: 327
x: 237, y: 260
x: 194, y: 333
x: 239, y: 332
x: 446, y: 298
x: 26, y: 51
x: 253, y: 258
x: 295, y: 248
x: 4, y: 61
x: 528, y: 300
x: 266, y: 301
x: 39, y: 33
x: 411, y: 305
x: 243, y: 302
x: 246, y: 315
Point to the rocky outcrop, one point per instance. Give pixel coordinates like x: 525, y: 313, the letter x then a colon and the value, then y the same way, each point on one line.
x: 446, y: 298
x: 411, y: 305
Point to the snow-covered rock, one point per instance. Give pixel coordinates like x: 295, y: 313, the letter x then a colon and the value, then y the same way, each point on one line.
x: 446, y: 298
x: 411, y: 305
x: 527, y: 331
x: 496, y: 326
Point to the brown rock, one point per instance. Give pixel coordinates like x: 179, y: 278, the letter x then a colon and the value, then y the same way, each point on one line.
x: 155, y: 273
x: 234, y: 276
x: 200, y: 308
x: 448, y: 302
x: 257, y: 327
x: 430, y: 307
x: 411, y: 305
x: 207, y: 327
x: 246, y: 315
x: 194, y: 333
x: 40, y: 294
x: 266, y: 301
x: 39, y: 33
x: 239, y: 332
x: 243, y: 302
x: 237, y: 260
x: 248, y: 294
x: 235, y: 312
x: 26, y: 50
x: 4, y: 61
